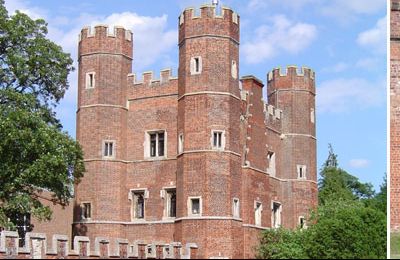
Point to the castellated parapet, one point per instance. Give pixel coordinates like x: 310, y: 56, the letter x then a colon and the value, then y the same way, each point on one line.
x: 102, y: 39
x: 36, y: 247
x: 206, y: 20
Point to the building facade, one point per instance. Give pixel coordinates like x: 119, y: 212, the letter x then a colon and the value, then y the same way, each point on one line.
x: 204, y: 157
x: 395, y: 116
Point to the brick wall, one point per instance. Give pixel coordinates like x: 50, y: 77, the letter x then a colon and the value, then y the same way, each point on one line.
x: 395, y: 116
x: 40, y: 246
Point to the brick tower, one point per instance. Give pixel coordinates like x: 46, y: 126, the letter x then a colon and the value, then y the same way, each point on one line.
x: 293, y: 92
x: 209, y: 165
x: 395, y: 116
x: 105, y: 59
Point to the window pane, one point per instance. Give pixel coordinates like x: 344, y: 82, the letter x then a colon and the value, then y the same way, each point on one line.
x: 153, y: 143
x: 110, y: 149
x: 197, y: 65
x: 106, y: 149
x: 219, y: 140
x: 160, y: 144
x: 172, y: 208
x: 215, y: 139
x: 195, y: 206
x: 91, y: 80
x: 140, y: 206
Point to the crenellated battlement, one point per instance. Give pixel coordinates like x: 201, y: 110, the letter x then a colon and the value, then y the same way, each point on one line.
x: 209, y: 11
x: 291, y: 70
x: 36, y: 247
x: 102, y: 30
x: 102, y: 39
x: 148, y: 79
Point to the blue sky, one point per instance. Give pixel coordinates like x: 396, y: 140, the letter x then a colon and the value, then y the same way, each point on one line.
x: 344, y: 41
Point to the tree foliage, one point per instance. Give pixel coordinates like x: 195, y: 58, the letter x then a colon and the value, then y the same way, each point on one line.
x: 35, y: 155
x: 350, y: 222
x: 29, y: 62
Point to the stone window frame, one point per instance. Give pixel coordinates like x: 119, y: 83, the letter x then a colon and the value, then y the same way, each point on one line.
x: 312, y: 115
x: 189, y: 206
x: 181, y: 141
x: 234, y: 69
x: 113, y: 151
x: 167, y: 204
x: 83, y: 211
x: 271, y: 170
x: 131, y: 197
x: 273, y: 222
x: 304, y: 224
x: 147, y: 144
x: 90, y: 80
x: 236, y: 210
x: 196, y: 65
x: 301, y: 172
x: 223, y: 140
x: 258, y: 215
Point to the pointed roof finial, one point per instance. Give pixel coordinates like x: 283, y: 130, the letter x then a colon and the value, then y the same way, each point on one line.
x: 215, y: 2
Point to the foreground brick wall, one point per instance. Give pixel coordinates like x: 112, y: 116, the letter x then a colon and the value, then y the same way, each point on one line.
x: 395, y: 116
x: 39, y: 246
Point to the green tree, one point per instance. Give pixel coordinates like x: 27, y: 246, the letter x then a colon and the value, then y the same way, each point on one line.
x: 335, y: 183
x: 282, y: 244
x: 350, y: 221
x: 29, y: 62
x: 35, y: 155
x: 346, y: 230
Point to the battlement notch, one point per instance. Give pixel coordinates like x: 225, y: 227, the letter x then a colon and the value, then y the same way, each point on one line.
x: 207, y: 11
x: 290, y: 71
x: 148, y: 79
x: 102, y: 39
x: 103, y: 30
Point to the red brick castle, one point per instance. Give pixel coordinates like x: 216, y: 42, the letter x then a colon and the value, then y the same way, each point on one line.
x: 200, y: 158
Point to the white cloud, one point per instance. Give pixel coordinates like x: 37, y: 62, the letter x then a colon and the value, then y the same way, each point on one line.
x: 374, y: 38
x: 369, y: 63
x: 282, y: 35
x: 338, y: 67
x: 151, y: 39
x: 290, y: 4
x: 340, y: 95
x: 347, y: 10
x: 359, y: 163
x: 23, y: 7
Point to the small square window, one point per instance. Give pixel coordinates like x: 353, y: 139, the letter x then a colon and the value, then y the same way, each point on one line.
x: 276, y: 214
x: 138, y: 204
x: 108, y: 149
x: 156, y: 144
x: 301, y: 172
x: 218, y: 139
x: 171, y: 203
x: 258, y: 213
x: 180, y: 144
x: 312, y: 115
x: 236, y: 208
x: 86, y: 209
x: 234, y: 70
x: 90, y: 80
x: 194, y: 206
x: 195, y: 65
x: 302, y: 222
x: 271, y: 164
